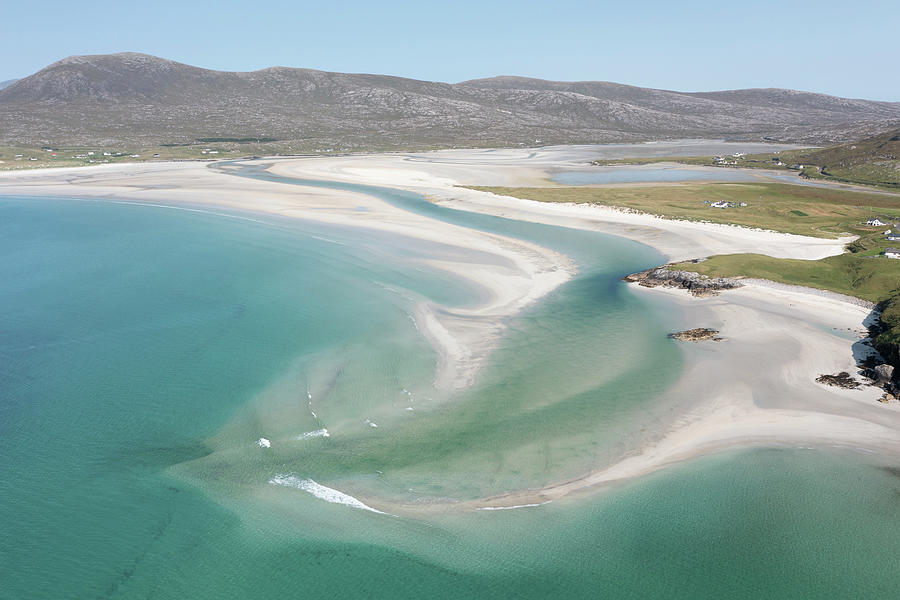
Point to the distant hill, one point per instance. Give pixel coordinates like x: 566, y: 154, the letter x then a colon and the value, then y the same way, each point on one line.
x: 874, y: 160
x: 7, y: 83
x: 130, y: 99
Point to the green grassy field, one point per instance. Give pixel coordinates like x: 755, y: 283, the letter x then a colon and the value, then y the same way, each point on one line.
x: 23, y: 157
x: 748, y: 161
x: 872, y: 278
x: 873, y: 161
x: 803, y: 210
x: 861, y: 271
x: 20, y: 157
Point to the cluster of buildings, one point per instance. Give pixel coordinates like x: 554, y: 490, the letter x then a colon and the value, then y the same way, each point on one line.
x: 92, y: 156
x: 723, y: 204
x: 890, y: 236
x: 728, y: 160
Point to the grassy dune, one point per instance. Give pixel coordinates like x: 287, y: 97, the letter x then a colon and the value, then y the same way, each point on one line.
x: 868, y: 277
x: 803, y: 210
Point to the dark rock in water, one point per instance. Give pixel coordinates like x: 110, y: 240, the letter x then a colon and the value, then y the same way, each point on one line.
x: 841, y: 380
x: 696, y: 284
x: 699, y: 334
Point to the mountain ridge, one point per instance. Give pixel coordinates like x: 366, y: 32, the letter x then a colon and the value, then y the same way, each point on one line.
x: 130, y: 98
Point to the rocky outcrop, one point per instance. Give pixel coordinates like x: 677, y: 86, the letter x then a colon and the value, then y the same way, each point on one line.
x: 700, y: 334
x: 841, y: 380
x: 883, y: 375
x: 696, y: 284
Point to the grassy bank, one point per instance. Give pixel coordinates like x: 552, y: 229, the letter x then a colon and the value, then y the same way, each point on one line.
x: 871, y: 278
x: 868, y: 277
x: 888, y: 341
x: 860, y: 272
x: 30, y: 157
x: 873, y: 161
x: 804, y: 210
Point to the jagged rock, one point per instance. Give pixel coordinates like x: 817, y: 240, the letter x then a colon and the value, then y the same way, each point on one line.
x: 888, y: 397
x: 695, y: 283
x: 699, y: 334
x: 841, y: 380
x: 883, y: 375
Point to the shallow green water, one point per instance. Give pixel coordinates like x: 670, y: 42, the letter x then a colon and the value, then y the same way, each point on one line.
x: 145, y: 350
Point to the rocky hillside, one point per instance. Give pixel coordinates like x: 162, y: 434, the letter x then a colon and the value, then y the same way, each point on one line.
x: 874, y: 160
x: 138, y: 99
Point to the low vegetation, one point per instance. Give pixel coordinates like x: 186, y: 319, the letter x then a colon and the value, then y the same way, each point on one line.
x: 887, y: 342
x: 860, y: 272
x: 871, y: 278
x: 30, y: 157
x: 873, y: 161
x: 804, y: 210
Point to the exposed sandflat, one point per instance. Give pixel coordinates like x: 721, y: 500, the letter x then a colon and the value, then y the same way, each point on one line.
x: 754, y: 388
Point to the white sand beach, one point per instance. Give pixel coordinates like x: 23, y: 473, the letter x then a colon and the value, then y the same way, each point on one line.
x: 518, y: 274
x: 756, y: 387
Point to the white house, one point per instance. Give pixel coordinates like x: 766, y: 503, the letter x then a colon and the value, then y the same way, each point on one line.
x: 891, y: 253
x: 876, y: 222
x: 719, y: 204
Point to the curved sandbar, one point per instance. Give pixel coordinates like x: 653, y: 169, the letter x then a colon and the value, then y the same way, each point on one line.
x: 518, y: 274
x: 756, y: 388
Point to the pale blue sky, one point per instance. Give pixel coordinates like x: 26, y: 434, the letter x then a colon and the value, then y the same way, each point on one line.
x: 843, y: 48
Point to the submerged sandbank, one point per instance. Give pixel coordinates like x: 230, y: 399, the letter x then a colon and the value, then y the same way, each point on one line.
x: 517, y: 274
x: 757, y: 388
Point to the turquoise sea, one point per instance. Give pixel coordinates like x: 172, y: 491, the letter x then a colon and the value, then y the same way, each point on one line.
x: 145, y: 350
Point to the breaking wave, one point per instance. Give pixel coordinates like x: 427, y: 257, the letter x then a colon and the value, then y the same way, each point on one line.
x: 322, y: 492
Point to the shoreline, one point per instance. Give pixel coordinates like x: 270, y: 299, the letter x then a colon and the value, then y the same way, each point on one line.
x: 440, y: 182
x: 758, y: 387
x: 753, y: 412
x: 519, y: 274
x: 794, y: 332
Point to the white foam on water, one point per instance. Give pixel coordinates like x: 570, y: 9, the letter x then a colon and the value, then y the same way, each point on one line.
x: 322, y: 492
x: 514, y: 507
x: 314, y: 434
x: 263, y: 443
x: 330, y: 241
